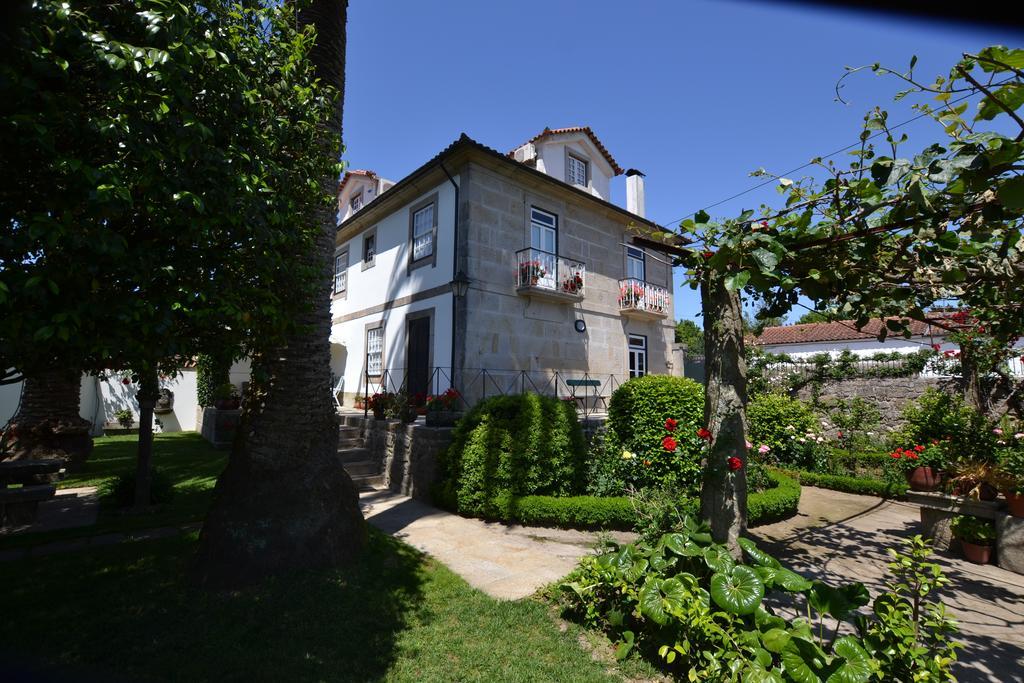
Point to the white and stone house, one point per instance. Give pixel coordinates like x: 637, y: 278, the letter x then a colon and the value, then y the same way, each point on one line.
x: 809, y: 339
x: 558, y: 282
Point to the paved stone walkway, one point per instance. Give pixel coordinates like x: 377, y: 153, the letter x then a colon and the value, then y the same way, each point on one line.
x: 841, y: 537
x: 73, y: 507
x: 504, y: 561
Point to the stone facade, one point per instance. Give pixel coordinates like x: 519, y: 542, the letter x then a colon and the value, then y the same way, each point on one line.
x: 509, y: 330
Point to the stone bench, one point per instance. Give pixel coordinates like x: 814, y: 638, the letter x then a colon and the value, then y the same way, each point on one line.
x: 26, y: 483
x: 939, y: 509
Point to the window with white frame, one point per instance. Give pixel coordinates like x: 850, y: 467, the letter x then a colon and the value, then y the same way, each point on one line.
x: 636, y: 264
x: 576, y: 171
x: 341, y: 271
x: 637, y: 355
x: 423, y: 225
x: 356, y: 202
x: 375, y: 351
x: 369, y: 249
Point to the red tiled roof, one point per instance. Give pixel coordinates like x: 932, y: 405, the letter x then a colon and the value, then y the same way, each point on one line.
x: 841, y: 330
x: 577, y: 129
x: 355, y: 171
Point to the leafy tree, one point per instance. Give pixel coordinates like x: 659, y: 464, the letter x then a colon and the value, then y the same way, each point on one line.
x: 885, y: 236
x: 154, y: 186
x: 688, y: 333
x: 284, y: 502
x: 815, y: 317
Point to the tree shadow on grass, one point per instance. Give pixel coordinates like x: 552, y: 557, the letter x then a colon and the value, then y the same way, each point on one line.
x: 988, y: 603
x: 126, y: 613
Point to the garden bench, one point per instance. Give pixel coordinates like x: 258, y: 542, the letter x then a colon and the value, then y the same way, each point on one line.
x: 586, y: 384
x: 26, y: 483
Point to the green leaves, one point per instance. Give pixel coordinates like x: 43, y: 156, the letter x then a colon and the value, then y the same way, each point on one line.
x: 855, y: 666
x: 659, y: 598
x: 739, y: 592
x: 1011, y: 193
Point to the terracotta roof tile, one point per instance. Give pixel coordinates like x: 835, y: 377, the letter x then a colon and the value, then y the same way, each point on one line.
x: 842, y: 330
x: 577, y: 129
x: 355, y: 171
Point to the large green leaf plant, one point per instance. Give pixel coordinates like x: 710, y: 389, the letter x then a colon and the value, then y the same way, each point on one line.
x: 685, y: 602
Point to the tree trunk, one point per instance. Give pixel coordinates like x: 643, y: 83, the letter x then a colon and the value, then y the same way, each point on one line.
x: 284, y: 502
x: 974, y: 392
x: 149, y: 392
x: 47, y: 424
x: 724, y: 492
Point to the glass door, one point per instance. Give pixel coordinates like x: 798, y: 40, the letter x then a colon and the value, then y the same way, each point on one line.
x: 544, y: 241
x: 637, y: 355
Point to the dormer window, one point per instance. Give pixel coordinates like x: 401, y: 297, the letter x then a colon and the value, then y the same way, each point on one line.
x: 356, y: 202
x: 576, y: 171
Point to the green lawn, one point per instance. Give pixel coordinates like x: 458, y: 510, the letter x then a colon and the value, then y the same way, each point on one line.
x: 188, y: 460
x: 125, y: 612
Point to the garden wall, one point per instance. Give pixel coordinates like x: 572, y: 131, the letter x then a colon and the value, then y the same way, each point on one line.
x: 408, y: 454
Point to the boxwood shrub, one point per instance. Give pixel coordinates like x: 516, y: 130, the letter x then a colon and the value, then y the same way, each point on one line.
x: 862, y: 485
x: 616, y: 512
x: 512, y: 446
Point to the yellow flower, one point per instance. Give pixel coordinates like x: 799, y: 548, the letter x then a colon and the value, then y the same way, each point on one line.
x: 626, y: 455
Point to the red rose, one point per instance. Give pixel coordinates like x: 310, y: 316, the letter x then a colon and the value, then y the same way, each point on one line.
x: 670, y: 424
x: 734, y: 463
x: 935, y: 346
x: 840, y: 435
x: 895, y: 455
x: 918, y: 448
x: 708, y: 254
x: 669, y: 444
x: 704, y: 434
x: 126, y: 381
x: 912, y: 456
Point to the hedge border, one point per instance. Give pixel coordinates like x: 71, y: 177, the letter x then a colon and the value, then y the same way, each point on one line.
x: 616, y: 512
x: 861, y: 485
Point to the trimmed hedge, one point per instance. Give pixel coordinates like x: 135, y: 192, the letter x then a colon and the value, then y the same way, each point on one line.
x: 616, y: 512
x: 509, y: 446
x: 862, y: 485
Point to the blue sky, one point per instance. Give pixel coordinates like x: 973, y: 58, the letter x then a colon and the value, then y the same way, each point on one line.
x: 696, y: 93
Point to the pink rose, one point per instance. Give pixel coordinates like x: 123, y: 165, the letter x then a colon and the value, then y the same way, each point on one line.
x: 763, y: 449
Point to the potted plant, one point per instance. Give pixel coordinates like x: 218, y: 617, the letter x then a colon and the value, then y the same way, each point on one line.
x: 125, y: 418
x: 972, y: 479
x: 976, y: 536
x: 1010, y: 470
x: 225, y: 397
x: 573, y: 284
x: 380, y: 403
x: 530, y: 272
x: 922, y: 465
x: 403, y: 408
x: 442, y: 410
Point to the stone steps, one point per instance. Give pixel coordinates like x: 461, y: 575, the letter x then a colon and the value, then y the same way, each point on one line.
x: 355, y: 457
x: 362, y: 467
x: 368, y: 482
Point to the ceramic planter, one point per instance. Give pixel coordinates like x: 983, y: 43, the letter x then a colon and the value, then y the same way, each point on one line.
x: 1015, y: 504
x: 978, y: 554
x: 923, y: 479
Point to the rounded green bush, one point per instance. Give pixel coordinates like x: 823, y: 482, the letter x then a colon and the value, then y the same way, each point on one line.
x: 637, y: 413
x: 512, y: 446
x: 779, y: 422
x: 122, y: 491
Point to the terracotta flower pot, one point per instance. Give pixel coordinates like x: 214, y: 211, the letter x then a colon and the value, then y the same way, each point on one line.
x: 978, y: 554
x: 1015, y: 504
x: 923, y: 479
x: 987, y: 492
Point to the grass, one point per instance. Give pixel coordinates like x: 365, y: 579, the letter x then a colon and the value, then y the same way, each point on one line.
x: 190, y: 462
x: 126, y: 613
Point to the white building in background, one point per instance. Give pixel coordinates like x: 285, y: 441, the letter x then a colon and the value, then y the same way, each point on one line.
x: 809, y: 339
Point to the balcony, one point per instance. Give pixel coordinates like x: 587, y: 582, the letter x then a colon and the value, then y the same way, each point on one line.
x: 544, y: 275
x: 639, y: 299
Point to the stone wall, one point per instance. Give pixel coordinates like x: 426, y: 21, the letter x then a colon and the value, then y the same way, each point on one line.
x: 888, y: 394
x: 408, y: 454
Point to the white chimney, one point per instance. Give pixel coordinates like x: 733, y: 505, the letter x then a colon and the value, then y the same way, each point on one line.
x: 635, y: 192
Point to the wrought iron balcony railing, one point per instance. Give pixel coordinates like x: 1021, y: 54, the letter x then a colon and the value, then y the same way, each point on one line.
x: 643, y: 299
x: 543, y: 272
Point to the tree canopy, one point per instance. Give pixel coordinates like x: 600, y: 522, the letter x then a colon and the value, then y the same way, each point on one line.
x: 154, y: 168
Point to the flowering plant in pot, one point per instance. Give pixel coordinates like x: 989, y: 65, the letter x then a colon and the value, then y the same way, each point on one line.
x: 976, y: 535
x: 922, y: 465
x: 573, y: 284
x: 530, y: 272
x: 442, y: 410
x: 225, y: 397
x: 1010, y: 470
x: 380, y: 403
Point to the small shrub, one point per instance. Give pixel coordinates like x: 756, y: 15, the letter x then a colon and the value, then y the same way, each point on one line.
x: 122, y: 491
x: 637, y: 416
x: 883, y: 488
x: 512, y: 446
x: 211, y: 373
x: 790, y: 430
x: 125, y: 417
x: 973, y: 530
x: 856, y: 422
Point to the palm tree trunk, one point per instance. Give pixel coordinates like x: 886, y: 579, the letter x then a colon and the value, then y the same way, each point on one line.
x: 149, y: 392
x: 724, y: 490
x: 284, y: 502
x: 47, y: 424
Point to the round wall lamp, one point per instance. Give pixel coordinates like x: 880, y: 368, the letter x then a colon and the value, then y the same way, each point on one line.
x: 580, y: 325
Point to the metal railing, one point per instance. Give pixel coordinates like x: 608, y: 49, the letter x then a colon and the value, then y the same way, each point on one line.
x: 544, y: 270
x: 590, y: 393
x: 638, y: 295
